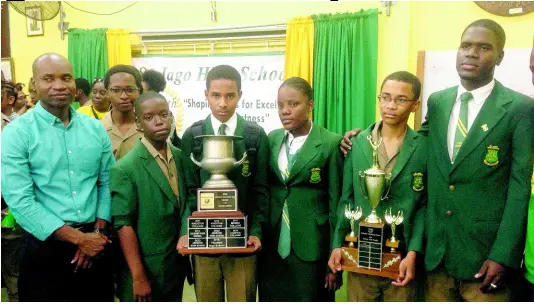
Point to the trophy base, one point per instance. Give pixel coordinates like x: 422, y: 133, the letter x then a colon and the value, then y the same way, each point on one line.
x: 389, y: 268
x: 216, y: 233
x: 351, y: 238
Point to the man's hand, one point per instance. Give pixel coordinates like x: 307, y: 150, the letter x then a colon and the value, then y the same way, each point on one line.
x: 335, y: 260
x: 346, y: 145
x: 82, y: 260
x: 182, y: 243
x: 406, y: 270
x: 332, y: 281
x: 92, y: 243
x: 254, y: 240
x: 141, y: 289
x: 495, y: 274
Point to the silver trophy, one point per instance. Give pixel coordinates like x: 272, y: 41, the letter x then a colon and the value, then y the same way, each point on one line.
x: 218, y: 159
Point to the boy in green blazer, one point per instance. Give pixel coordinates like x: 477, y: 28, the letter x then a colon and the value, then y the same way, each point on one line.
x: 479, y: 175
x: 238, y: 271
x: 148, y: 205
x: 305, y: 177
x: 402, y: 153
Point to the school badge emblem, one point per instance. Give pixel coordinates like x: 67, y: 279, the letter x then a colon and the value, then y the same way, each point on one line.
x: 417, y: 182
x: 492, y: 156
x: 246, y: 169
x: 315, y: 176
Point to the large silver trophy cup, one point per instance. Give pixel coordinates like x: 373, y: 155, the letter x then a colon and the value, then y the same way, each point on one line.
x: 218, y: 159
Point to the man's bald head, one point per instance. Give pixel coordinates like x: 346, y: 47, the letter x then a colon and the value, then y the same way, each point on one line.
x: 47, y: 59
x: 54, y: 80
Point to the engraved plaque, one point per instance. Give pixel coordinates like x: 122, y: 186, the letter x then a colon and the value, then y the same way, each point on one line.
x: 205, y: 233
x: 216, y: 200
x: 370, y: 246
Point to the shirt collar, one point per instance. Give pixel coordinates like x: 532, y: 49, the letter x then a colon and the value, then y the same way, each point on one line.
x: 51, y: 119
x: 290, y: 136
x: 155, y: 153
x: 479, y: 95
x: 4, y: 117
x: 231, y: 124
x: 107, y: 122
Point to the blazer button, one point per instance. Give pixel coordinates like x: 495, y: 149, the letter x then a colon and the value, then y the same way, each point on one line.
x: 449, y: 213
x: 451, y: 187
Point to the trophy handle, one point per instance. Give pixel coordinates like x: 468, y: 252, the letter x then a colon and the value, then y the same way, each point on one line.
x: 362, y: 180
x: 194, y: 160
x: 237, y: 163
x: 388, y: 182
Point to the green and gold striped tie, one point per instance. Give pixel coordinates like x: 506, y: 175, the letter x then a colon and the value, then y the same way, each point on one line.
x: 284, y: 242
x: 222, y: 129
x: 461, y: 126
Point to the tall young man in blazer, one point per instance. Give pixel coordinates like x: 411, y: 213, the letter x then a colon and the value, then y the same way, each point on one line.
x: 479, y: 164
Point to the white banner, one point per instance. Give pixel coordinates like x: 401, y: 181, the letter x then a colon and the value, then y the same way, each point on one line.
x: 261, y: 76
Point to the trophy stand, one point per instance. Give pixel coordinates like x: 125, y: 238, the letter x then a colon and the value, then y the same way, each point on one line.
x: 217, y: 226
x: 370, y: 258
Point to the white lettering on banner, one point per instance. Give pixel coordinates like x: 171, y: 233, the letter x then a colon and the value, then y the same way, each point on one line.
x: 261, y: 76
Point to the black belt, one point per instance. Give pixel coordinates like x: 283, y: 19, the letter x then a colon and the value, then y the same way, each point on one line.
x: 83, y: 227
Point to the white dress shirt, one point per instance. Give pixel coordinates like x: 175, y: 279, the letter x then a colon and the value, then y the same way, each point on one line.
x: 473, y: 108
x: 231, y: 124
x: 295, y: 143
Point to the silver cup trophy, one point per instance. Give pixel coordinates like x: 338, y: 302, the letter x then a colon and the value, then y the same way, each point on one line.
x: 218, y: 159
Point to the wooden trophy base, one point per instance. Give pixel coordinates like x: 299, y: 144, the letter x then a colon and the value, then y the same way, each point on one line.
x: 217, y: 233
x: 390, y: 263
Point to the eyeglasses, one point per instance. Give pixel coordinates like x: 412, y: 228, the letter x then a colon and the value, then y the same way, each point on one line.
x: 128, y: 91
x: 398, y: 101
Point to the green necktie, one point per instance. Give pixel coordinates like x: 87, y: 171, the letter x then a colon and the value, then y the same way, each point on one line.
x: 222, y: 130
x: 461, y: 126
x: 284, y: 243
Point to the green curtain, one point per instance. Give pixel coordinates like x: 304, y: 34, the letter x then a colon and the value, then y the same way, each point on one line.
x: 345, y: 64
x: 88, y: 53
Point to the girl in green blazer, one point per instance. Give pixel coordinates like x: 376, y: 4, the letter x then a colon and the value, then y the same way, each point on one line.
x: 305, y: 172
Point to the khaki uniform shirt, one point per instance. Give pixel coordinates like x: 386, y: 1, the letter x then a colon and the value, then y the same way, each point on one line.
x: 384, y: 161
x: 121, y: 144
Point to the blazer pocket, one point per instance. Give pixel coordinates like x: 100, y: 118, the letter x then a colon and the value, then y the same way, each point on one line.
x: 322, y: 219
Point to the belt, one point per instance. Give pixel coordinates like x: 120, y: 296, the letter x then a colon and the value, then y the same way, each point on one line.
x: 83, y: 227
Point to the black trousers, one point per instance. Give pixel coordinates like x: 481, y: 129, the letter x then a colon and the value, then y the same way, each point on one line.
x: 46, y: 274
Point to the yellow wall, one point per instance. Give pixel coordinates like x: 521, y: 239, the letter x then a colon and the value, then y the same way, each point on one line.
x: 412, y: 26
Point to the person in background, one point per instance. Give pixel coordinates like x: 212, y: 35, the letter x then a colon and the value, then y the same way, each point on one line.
x: 8, y: 100
x: 33, y: 93
x: 11, y: 233
x: 22, y: 105
x: 59, y: 162
x: 100, y: 104
x: 123, y: 83
x: 305, y: 176
x: 148, y: 202
x: 83, y: 89
x: 155, y: 81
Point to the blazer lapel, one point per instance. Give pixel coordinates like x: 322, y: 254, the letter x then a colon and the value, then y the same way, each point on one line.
x: 307, y: 152
x: 405, y: 153
x: 489, y: 116
x: 365, y: 146
x: 154, y: 170
x: 275, y: 151
x: 443, y: 115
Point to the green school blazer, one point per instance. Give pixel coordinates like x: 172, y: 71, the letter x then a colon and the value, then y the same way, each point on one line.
x: 251, y: 181
x: 407, y: 193
x: 477, y: 207
x: 311, y: 191
x: 143, y: 199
